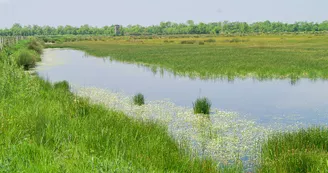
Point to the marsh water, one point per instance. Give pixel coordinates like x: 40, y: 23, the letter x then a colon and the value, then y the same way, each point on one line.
x: 265, y: 101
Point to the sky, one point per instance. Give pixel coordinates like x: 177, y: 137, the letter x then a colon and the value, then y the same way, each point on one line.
x: 151, y: 12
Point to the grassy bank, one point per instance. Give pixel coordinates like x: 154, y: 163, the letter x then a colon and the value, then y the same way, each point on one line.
x: 295, y: 152
x: 46, y: 128
x: 289, y: 56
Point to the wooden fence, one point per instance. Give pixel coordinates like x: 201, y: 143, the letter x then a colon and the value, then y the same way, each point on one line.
x: 7, y: 41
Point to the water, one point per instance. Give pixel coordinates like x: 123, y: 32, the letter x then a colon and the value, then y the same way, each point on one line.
x: 266, y: 102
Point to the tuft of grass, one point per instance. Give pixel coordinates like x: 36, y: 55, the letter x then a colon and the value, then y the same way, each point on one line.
x: 305, y: 150
x: 64, y: 85
x: 202, y: 106
x: 139, y: 99
x: 36, y: 46
x: 237, y: 40
x: 26, y: 58
x: 211, y: 40
x: 188, y: 41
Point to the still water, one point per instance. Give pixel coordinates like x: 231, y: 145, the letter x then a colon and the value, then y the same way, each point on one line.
x: 305, y: 101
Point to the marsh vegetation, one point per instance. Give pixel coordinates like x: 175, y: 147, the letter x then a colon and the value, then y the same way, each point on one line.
x: 94, y: 130
x: 202, y: 106
x: 139, y: 99
x: 53, y: 130
x: 262, y: 57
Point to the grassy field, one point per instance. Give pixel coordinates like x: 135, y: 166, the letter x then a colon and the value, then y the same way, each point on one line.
x: 46, y: 128
x: 290, y: 56
x: 295, y: 152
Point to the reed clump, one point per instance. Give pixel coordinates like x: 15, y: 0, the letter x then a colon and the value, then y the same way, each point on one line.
x: 139, y: 99
x: 202, y: 106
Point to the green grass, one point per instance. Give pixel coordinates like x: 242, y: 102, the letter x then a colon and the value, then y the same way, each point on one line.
x: 25, y: 54
x: 46, y: 128
x: 26, y: 58
x: 300, y: 151
x: 63, y: 85
x: 303, y: 56
x: 139, y: 99
x: 36, y: 46
x: 202, y: 106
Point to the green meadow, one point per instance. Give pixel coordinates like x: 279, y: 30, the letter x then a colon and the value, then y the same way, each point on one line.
x: 261, y: 57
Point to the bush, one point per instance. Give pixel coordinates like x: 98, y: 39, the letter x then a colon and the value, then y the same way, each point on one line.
x: 36, y: 46
x: 202, y: 106
x: 210, y: 40
x: 188, y: 42
x: 62, y: 85
x: 139, y: 99
x: 201, y: 43
x: 26, y: 58
x: 237, y: 40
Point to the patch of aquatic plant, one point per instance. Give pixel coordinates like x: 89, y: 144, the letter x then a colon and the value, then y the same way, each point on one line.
x: 224, y: 137
x: 304, y: 150
x: 202, y: 106
x: 139, y: 99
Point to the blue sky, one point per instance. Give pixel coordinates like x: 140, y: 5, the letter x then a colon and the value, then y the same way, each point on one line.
x: 149, y: 12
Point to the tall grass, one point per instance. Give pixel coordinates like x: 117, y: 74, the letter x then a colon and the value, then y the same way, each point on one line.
x: 139, y: 99
x: 202, y: 106
x: 262, y: 57
x: 36, y: 46
x: 62, y: 85
x: 46, y: 128
x: 305, y: 150
x: 26, y: 58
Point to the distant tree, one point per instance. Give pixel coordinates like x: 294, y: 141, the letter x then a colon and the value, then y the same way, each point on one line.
x: 190, y: 27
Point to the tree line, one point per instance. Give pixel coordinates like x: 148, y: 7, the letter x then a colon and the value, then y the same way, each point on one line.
x: 169, y: 28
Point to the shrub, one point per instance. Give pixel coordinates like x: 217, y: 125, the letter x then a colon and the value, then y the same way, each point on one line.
x: 188, y: 41
x: 201, y: 43
x: 62, y: 85
x: 210, y: 40
x: 202, y: 106
x: 36, y: 46
x: 139, y: 99
x: 237, y: 40
x: 26, y: 58
x: 168, y: 41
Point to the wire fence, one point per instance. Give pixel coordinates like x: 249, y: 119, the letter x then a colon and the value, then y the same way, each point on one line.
x: 7, y: 41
